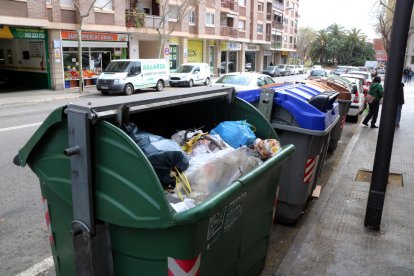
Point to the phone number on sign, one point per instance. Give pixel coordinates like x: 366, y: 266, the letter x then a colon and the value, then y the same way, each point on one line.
x: 34, y: 35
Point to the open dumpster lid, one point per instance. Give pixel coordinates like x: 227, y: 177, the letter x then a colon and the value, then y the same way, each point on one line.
x: 108, y: 107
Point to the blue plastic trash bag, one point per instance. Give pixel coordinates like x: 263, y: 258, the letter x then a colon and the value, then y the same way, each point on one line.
x: 235, y: 133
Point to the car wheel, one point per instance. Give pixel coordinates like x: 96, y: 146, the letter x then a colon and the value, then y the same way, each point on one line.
x: 190, y: 83
x: 207, y: 82
x: 129, y: 89
x: 159, y: 86
x: 104, y: 92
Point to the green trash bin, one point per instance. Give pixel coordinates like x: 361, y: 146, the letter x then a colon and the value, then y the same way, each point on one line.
x: 108, y: 210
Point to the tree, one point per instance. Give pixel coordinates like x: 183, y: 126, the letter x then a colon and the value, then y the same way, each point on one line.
x: 335, y: 51
x: 385, y: 14
x: 354, y: 39
x: 81, y: 16
x: 318, y: 47
x: 177, y: 13
x: 305, y: 38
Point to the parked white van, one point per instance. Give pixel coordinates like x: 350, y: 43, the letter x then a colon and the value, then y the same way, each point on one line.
x: 189, y: 74
x: 127, y: 75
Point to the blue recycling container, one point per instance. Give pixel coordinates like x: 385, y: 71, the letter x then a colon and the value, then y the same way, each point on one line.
x: 304, y: 116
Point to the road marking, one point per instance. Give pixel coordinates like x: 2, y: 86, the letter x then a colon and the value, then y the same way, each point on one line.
x: 38, y: 268
x: 19, y: 127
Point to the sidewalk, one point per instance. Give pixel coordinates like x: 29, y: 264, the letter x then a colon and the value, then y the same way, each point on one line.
x: 42, y: 95
x: 333, y: 240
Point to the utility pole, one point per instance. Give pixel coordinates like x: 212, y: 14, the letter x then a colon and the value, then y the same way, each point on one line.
x: 399, y: 34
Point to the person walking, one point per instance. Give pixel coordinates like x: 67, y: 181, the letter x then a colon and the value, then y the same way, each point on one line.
x: 400, y: 103
x: 376, y: 90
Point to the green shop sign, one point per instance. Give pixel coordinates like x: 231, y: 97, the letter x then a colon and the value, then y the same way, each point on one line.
x: 27, y: 33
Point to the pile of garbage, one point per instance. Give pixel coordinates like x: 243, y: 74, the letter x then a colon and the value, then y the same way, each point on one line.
x: 194, y: 165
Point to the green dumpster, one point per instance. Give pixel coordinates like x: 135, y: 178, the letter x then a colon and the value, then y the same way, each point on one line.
x: 108, y: 211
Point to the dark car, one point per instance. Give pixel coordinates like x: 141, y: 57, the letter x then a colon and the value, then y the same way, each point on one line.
x: 3, y: 78
x: 272, y: 71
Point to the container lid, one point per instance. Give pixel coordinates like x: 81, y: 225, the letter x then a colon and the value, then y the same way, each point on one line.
x: 299, y: 100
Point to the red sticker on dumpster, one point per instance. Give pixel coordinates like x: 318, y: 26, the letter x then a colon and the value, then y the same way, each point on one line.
x: 178, y: 267
x: 309, y: 168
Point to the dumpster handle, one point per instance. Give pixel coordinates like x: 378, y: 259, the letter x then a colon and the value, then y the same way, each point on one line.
x: 71, y: 151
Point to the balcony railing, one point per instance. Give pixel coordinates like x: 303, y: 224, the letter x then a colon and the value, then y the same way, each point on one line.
x: 230, y: 4
x: 228, y: 31
x: 152, y: 21
x: 277, y: 45
x: 268, y: 37
x: 278, y: 5
x: 277, y: 25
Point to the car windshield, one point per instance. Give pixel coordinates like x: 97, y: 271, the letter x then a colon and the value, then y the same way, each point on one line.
x: 281, y: 66
x: 269, y: 68
x: 184, y: 69
x: 117, y: 67
x: 341, y: 68
x: 235, y: 79
x: 317, y: 73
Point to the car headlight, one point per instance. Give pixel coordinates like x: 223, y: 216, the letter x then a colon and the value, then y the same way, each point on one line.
x: 116, y: 81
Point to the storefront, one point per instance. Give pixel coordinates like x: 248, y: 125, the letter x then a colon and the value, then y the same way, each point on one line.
x: 250, y: 57
x: 23, y: 57
x: 174, y: 53
x: 267, y: 58
x: 195, y: 51
x: 229, y: 51
x: 98, y: 49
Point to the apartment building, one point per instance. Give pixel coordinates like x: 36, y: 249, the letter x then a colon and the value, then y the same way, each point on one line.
x: 39, y: 38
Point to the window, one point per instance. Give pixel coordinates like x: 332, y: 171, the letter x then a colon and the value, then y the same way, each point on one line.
x: 260, y: 7
x: 103, y: 4
x: 242, y: 2
x: 211, y: 56
x: 173, y: 15
x: 290, y: 39
x: 49, y: 2
x: 412, y: 60
x: 210, y: 19
x: 242, y: 25
x: 66, y: 2
x: 192, y: 18
x: 260, y: 28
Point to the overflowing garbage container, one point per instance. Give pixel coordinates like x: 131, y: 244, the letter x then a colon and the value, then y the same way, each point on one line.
x: 109, y: 209
x: 304, y: 116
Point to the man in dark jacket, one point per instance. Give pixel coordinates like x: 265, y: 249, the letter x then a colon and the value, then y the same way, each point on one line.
x: 400, y: 104
x: 376, y: 90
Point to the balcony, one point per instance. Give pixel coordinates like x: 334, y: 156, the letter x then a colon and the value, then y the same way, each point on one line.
x: 278, y: 5
x: 228, y: 31
x: 276, y: 45
x: 152, y: 21
x: 268, y: 37
x: 230, y: 4
x: 276, y: 25
x: 134, y: 18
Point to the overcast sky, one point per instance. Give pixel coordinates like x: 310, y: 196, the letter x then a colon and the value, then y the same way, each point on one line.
x: 319, y: 14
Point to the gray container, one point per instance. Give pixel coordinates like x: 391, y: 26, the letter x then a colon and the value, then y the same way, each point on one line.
x: 301, y: 170
x: 337, y: 130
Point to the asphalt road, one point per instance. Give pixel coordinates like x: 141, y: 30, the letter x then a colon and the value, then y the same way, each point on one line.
x: 23, y: 231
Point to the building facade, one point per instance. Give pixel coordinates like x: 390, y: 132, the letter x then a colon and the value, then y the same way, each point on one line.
x: 39, y: 38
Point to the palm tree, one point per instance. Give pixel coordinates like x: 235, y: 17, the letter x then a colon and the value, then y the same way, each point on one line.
x: 354, y: 39
x: 336, y: 35
x: 318, y: 46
